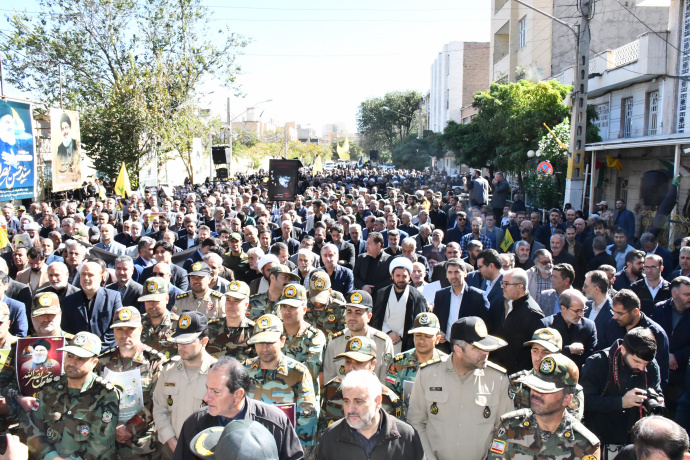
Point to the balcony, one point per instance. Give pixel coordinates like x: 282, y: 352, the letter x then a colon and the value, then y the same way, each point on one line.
x: 501, y: 68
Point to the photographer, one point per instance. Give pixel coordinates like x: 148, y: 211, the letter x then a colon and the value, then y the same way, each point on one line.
x: 618, y: 384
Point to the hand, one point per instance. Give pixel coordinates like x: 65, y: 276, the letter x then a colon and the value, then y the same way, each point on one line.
x: 15, y: 449
x: 672, y: 363
x: 576, y: 348
x: 634, y: 398
x: 443, y: 337
x: 122, y: 434
x: 25, y: 402
x: 368, y: 288
x: 172, y: 443
x: 395, y: 337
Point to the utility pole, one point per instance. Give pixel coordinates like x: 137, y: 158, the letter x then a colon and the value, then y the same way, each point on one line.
x: 228, y: 154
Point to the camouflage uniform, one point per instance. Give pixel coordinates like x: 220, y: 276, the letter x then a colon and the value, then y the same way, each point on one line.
x: 156, y: 337
x: 259, y: 304
x: 9, y: 388
x: 144, y: 442
x: 521, y: 394
x: 518, y: 436
x: 307, y: 348
x: 210, y: 304
x: 332, y: 403
x: 332, y: 318
x: 230, y: 341
x: 404, y: 368
x: 75, y: 423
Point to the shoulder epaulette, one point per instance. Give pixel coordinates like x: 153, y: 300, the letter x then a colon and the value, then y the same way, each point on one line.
x: 214, y: 320
x: 516, y: 414
x: 500, y: 369
x: 106, y: 383
x: 254, y: 295
x: 584, y: 431
x: 399, y: 357
x: 430, y: 362
x: 216, y: 294
x: 154, y: 352
x: 68, y: 336
x: 109, y: 351
x: 380, y: 335
x: 175, y: 358
x: 335, y: 380
x: 298, y: 366
x: 337, y: 334
x: 183, y: 295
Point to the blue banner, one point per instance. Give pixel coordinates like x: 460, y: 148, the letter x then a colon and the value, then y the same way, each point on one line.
x: 17, y: 151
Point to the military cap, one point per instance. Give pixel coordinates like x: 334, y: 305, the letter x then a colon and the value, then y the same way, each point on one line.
x: 156, y: 288
x: 548, y: 338
x: 235, y: 236
x: 350, y: 196
x: 84, y: 345
x: 319, y: 286
x: 294, y: 295
x: 189, y: 327
x: 47, y: 303
x: 268, y: 329
x: 238, y: 290
x: 4, y: 312
x: 425, y: 323
x: 126, y: 317
x: 554, y: 373
x: 280, y: 268
x: 360, y: 349
x: 472, y: 330
x: 199, y: 269
x: 238, y: 440
x: 359, y: 299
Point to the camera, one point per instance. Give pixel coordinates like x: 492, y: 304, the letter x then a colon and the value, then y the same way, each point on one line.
x: 654, y: 403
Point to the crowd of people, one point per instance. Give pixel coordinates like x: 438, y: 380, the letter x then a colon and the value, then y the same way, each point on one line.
x: 381, y: 314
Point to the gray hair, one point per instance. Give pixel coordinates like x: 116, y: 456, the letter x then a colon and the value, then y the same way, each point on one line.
x: 124, y: 259
x: 519, y: 276
x: 409, y: 240
x: 330, y: 246
x: 59, y: 266
x: 145, y: 241
x: 212, y: 256
x: 519, y: 244
x: 258, y: 251
x: 362, y: 379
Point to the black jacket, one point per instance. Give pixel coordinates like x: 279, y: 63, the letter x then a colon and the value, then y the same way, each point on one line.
x: 289, y: 447
x: 133, y: 291
x: 347, y: 254
x: 397, y: 440
x: 370, y: 271
x: 473, y: 304
x: 585, y: 332
x: 647, y: 303
x: 416, y: 304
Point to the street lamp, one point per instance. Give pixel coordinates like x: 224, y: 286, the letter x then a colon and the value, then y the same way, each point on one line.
x: 388, y: 109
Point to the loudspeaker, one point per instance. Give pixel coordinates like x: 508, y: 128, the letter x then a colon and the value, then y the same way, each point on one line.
x: 654, y: 186
x: 219, y: 155
x: 374, y: 155
x: 222, y: 173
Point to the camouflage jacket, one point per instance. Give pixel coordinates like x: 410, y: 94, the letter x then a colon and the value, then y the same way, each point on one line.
x: 230, y: 341
x: 290, y: 382
x: 259, y: 305
x: 75, y: 423
x: 331, y: 319
x: 332, y: 403
x: 238, y: 265
x: 9, y: 389
x: 518, y: 436
x: 210, y: 304
x: 521, y: 394
x: 148, y: 361
x: 307, y: 348
x: 156, y: 337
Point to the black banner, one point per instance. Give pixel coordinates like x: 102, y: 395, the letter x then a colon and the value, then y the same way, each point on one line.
x: 282, y: 179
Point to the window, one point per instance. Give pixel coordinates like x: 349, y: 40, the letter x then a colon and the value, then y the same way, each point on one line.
x: 626, y: 116
x: 603, y: 112
x: 652, y: 113
x: 523, y: 32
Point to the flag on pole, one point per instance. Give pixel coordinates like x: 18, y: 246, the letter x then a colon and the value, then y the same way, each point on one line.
x: 507, y: 240
x: 344, y: 151
x: 612, y: 162
x: 122, y: 185
x: 101, y: 192
x: 318, y: 167
x: 4, y: 240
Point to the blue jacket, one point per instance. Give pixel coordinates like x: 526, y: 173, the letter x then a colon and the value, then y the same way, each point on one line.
x: 19, y: 324
x: 678, y: 337
x: 384, y: 234
x: 473, y: 304
x: 585, y: 332
x: 75, y: 317
x: 342, y: 280
x: 626, y: 220
x: 601, y: 322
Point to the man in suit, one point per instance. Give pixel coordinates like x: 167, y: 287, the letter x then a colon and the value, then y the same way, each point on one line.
x: 489, y: 266
x: 439, y: 273
x: 543, y: 233
x: 342, y: 278
x: 396, y: 306
x: 198, y: 255
x: 492, y: 232
x: 392, y: 224
x: 190, y: 238
x: 57, y: 281
x: 107, y: 243
x: 651, y: 289
x: 36, y: 274
x: 346, y: 251
x: 19, y: 323
x: 625, y: 219
x: 129, y: 289
x: 371, y: 268
x: 650, y: 245
x: 286, y: 237
x: 596, y: 288
x: 162, y: 252
x: 91, y: 309
x: 456, y: 233
x: 457, y: 301
x: 356, y: 239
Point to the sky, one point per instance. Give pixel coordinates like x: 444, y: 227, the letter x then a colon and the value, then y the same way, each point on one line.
x: 318, y: 60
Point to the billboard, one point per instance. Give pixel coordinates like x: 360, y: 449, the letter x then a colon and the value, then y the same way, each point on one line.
x: 66, y: 149
x: 17, y: 151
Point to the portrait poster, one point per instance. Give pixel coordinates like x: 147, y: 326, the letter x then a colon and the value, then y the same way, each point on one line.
x: 129, y: 384
x: 38, y: 361
x: 282, y: 179
x: 17, y: 151
x: 65, y: 138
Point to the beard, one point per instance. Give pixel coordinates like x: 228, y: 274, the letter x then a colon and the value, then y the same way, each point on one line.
x: 364, y: 420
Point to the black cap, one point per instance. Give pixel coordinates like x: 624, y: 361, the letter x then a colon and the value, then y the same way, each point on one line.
x: 190, y: 325
x: 359, y: 299
x: 472, y: 330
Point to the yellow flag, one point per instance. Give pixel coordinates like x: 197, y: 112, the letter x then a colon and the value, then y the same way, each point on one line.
x: 122, y: 185
x: 101, y: 193
x: 4, y: 240
x: 614, y: 163
x: 344, y: 151
x: 507, y: 240
x: 317, y: 167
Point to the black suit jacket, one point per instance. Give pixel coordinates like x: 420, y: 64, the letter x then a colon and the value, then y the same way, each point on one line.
x: 372, y: 272
x: 347, y: 254
x: 133, y: 291
x: 416, y: 304
x: 292, y: 244
x: 69, y: 289
x: 517, y: 328
x: 178, y: 278
x: 183, y: 241
x: 473, y: 304
x: 76, y: 318
x: 439, y: 273
x: 601, y: 322
x: 585, y: 332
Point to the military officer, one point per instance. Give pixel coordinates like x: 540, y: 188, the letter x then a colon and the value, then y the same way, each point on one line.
x: 158, y: 322
x: 136, y: 434
x: 182, y: 381
x: 278, y: 379
x: 200, y: 297
x: 457, y: 400
x: 263, y: 304
x: 547, y: 430
x: 76, y: 415
x: 403, y: 370
x: 229, y: 335
x: 303, y: 342
x: 357, y: 315
x: 46, y: 316
x: 326, y: 307
x: 236, y: 259
x: 545, y: 341
x: 360, y: 353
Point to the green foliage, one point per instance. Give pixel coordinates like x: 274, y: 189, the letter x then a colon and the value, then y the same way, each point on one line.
x: 413, y: 153
x: 128, y: 66
x: 382, y: 129
x: 545, y: 192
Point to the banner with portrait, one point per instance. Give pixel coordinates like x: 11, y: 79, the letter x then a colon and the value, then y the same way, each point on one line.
x: 17, y: 151
x: 38, y: 362
x: 65, y: 138
x: 282, y: 179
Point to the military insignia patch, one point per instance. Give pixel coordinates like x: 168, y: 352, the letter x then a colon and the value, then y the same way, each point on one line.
x: 264, y: 322
x: 480, y: 329
x: 125, y: 315
x: 398, y: 412
x: 234, y: 286
x: 547, y: 366
x: 196, y: 266
x: 567, y: 434
x: 434, y: 408
x: 501, y: 431
x: 35, y: 405
x: 51, y: 433
x: 487, y: 412
x: 589, y: 457
x: 331, y: 318
x: 84, y: 430
x: 185, y: 322
x: 107, y: 416
x: 498, y: 446
x: 424, y: 319
x: 387, y: 357
x: 80, y: 340
x: 319, y: 283
x: 575, y: 403
x: 545, y: 335
x: 152, y: 286
x: 45, y: 300
x: 341, y: 371
x: 170, y: 401
x: 355, y: 345
x: 392, y: 369
x: 209, y: 307
x: 356, y: 298
x: 290, y: 292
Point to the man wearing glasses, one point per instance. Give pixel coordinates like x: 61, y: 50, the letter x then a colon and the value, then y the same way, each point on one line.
x: 579, y: 333
x: 539, y: 276
x: 652, y: 288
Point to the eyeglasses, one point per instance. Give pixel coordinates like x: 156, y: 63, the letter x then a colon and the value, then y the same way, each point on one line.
x: 616, y: 314
x: 646, y: 267
x: 578, y: 312
x: 504, y: 284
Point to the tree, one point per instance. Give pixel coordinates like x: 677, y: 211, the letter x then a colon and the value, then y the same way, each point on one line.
x: 414, y: 153
x: 128, y: 66
x: 382, y: 129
